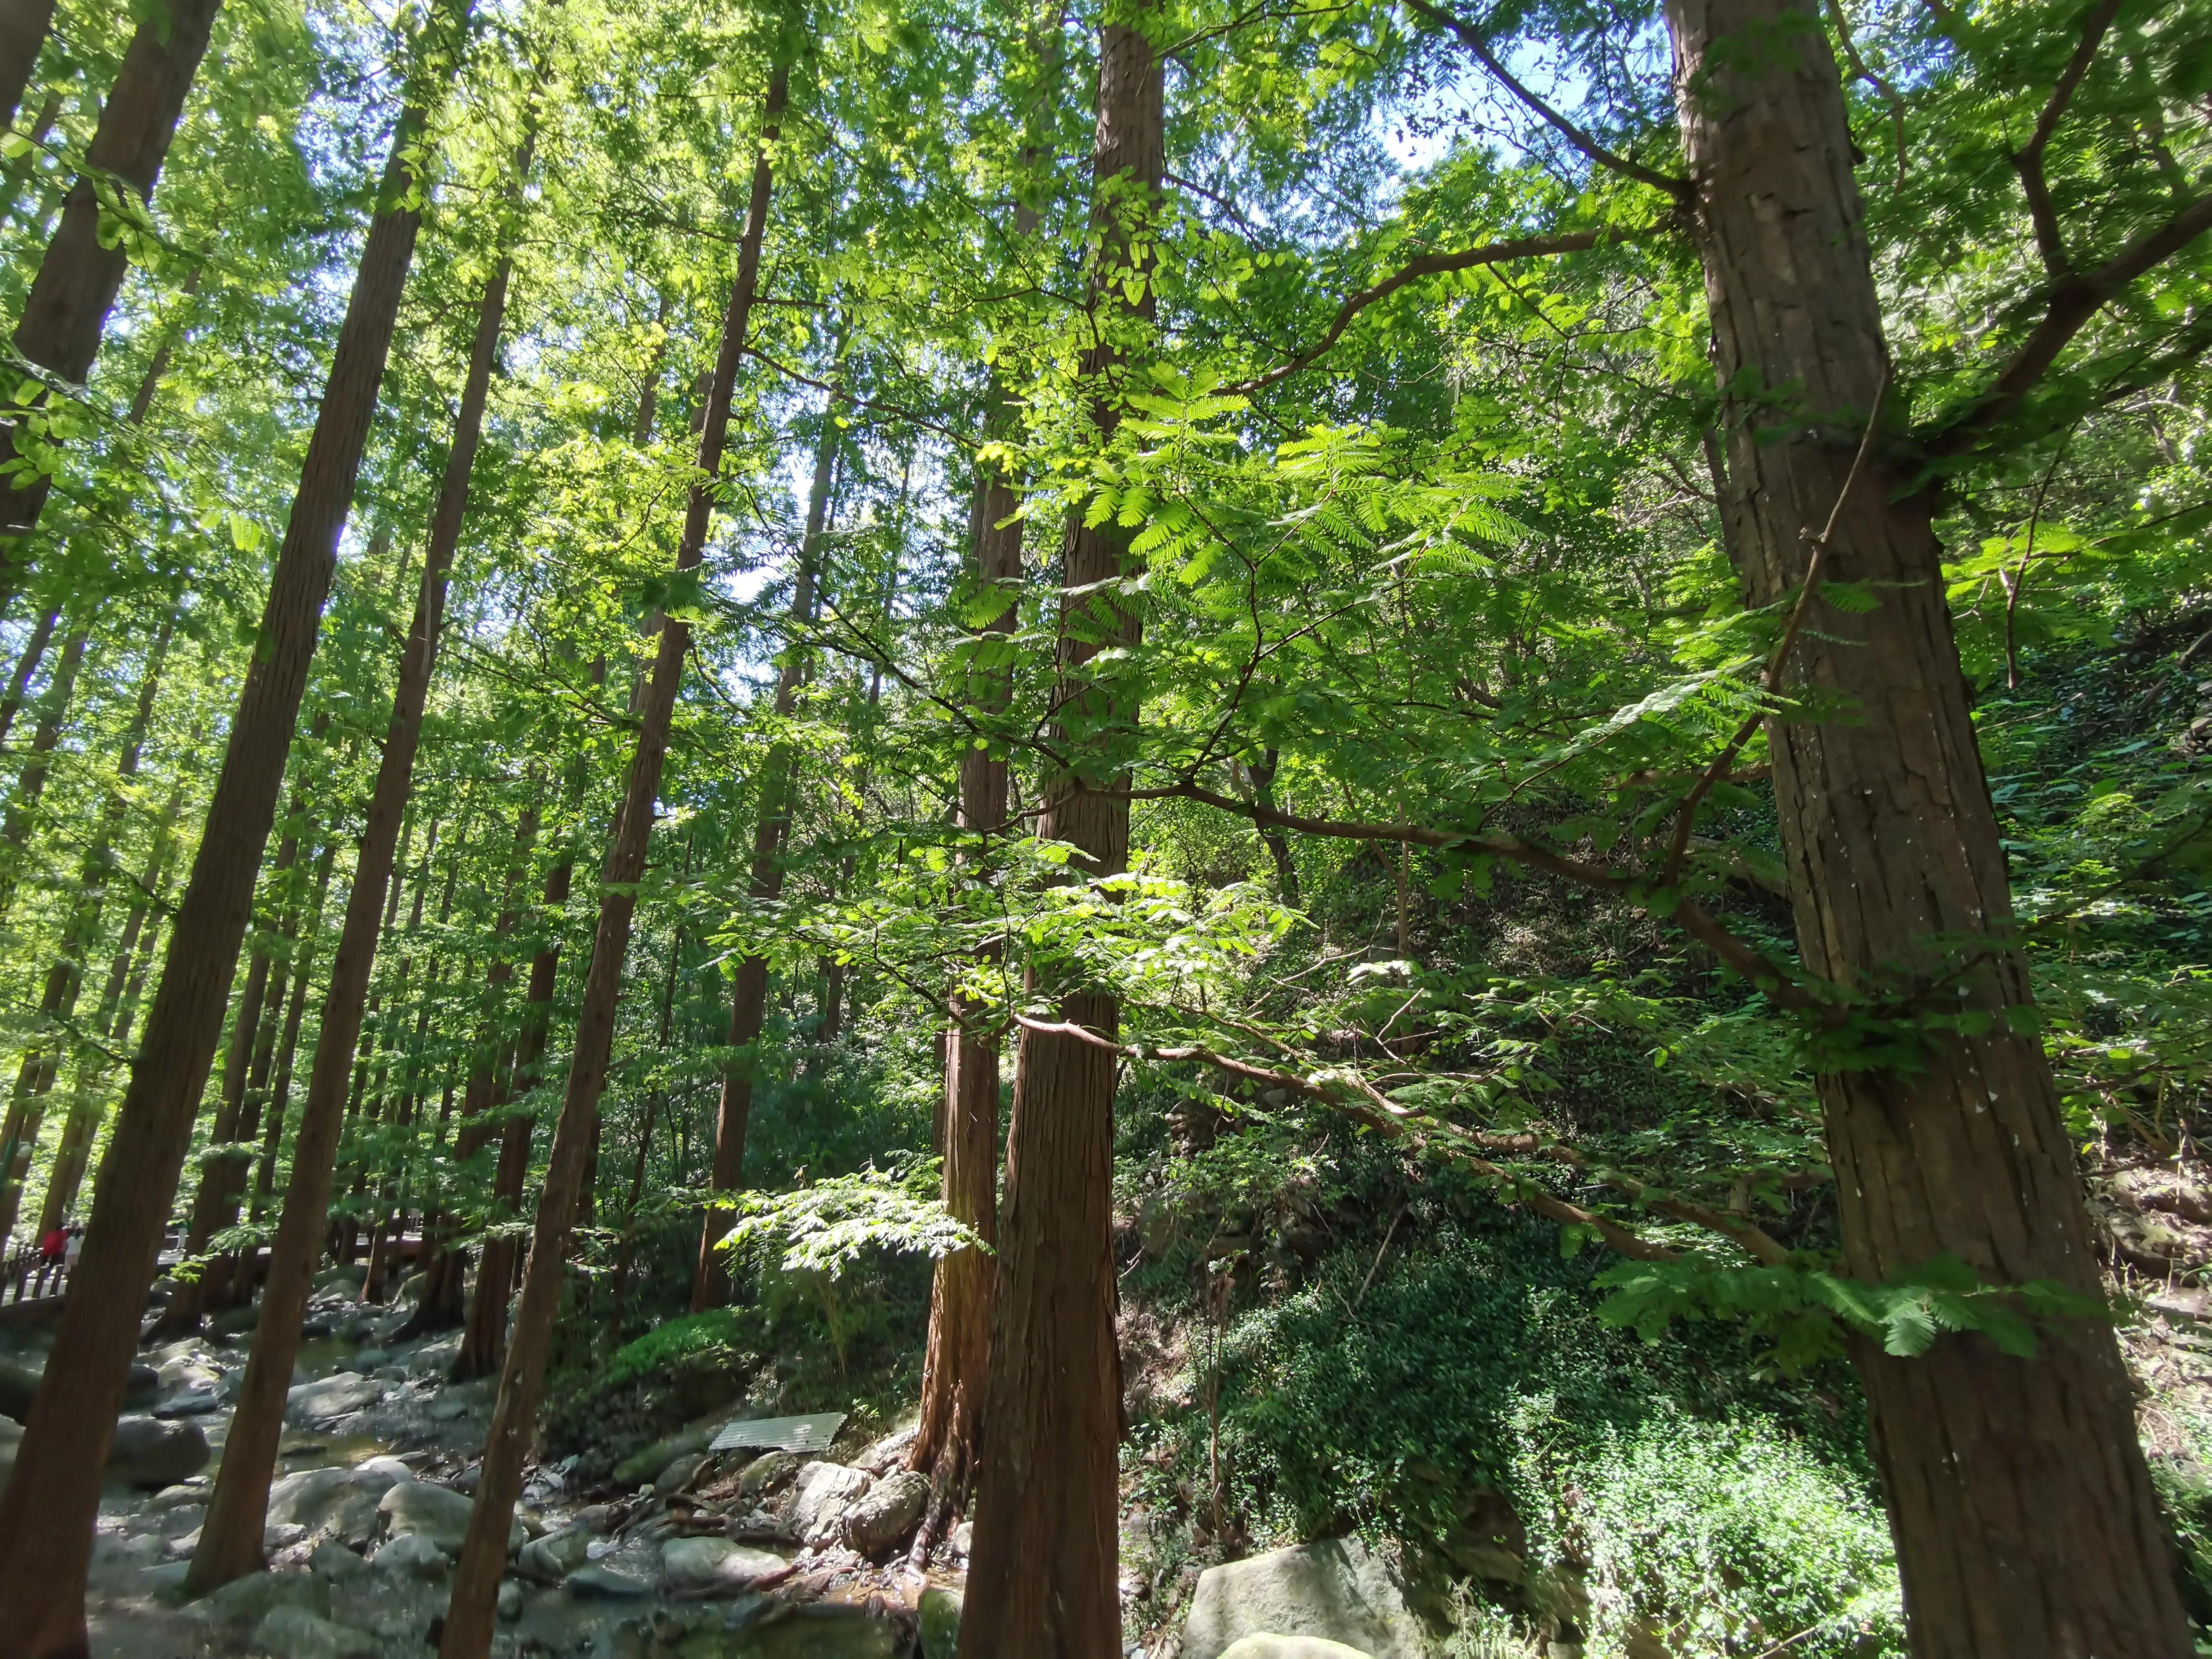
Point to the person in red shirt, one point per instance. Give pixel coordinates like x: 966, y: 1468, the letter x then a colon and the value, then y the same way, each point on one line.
x: 52, y: 1249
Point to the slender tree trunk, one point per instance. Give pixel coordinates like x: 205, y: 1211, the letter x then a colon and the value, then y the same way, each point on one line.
x: 956, y: 1366
x: 1043, y: 1576
x: 653, y: 1104
x: 1279, y: 844
x: 2023, y: 1515
x: 514, y: 1417
x: 23, y: 26
x: 46, y: 1518
x: 779, y: 783
x: 231, y: 1539
x: 67, y: 308
x: 280, y: 1090
x: 41, y: 1062
x: 22, y: 813
x: 19, y: 682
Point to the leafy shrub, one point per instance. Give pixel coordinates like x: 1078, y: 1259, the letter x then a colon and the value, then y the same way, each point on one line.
x: 720, y: 1335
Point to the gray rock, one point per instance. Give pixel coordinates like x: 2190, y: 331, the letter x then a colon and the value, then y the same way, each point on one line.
x: 334, y: 1396
x: 234, y: 1321
x: 334, y: 1561
x: 282, y: 1536
x: 677, y: 1476
x: 765, y: 1473
x: 149, y: 1454
x: 340, y: 1503
x: 295, y: 1633
x: 600, y: 1583
x: 366, y: 1360
x: 715, y: 1566
x: 940, y: 1622
x: 140, y: 1385
x: 191, y: 1402
x: 554, y: 1557
x: 1334, y: 1589
x: 439, y: 1515
x: 1290, y: 1647
x: 510, y: 1601
x: 410, y: 1555
x: 177, y: 1496
x: 886, y: 1513
x: 644, y: 1465
x: 249, y: 1600
x: 345, y: 1279
x: 887, y: 1452
x: 434, y: 1358
x: 824, y: 1493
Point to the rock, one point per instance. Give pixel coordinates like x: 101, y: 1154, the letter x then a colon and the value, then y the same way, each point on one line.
x: 886, y: 1513
x: 249, y: 1600
x: 366, y: 1360
x: 191, y: 1402
x: 554, y: 1557
x: 887, y: 1452
x: 677, y: 1476
x: 236, y: 1321
x: 149, y: 1454
x: 963, y: 1539
x: 644, y: 1465
x: 824, y: 1493
x: 340, y: 1502
x: 141, y: 1383
x: 711, y: 1567
x: 412, y: 1555
x: 435, y: 1358
x: 1289, y: 1647
x: 349, y: 1278
x: 1334, y: 1589
x: 765, y: 1473
x: 448, y: 1411
x: 282, y: 1536
x: 334, y: 1396
x: 600, y: 1583
x: 19, y: 1387
x: 439, y: 1515
x: 334, y: 1561
x: 940, y: 1622
x: 295, y: 1633
x: 177, y: 1496
x: 510, y: 1601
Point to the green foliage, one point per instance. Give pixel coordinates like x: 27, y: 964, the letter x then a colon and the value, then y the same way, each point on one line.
x: 828, y: 1226
x: 717, y: 1336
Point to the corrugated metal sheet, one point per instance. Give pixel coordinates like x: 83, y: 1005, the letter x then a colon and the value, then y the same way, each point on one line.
x: 791, y: 1434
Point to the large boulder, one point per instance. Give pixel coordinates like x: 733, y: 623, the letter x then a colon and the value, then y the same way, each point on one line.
x: 439, y: 1513
x: 410, y: 1555
x: 715, y: 1567
x: 940, y: 1622
x: 295, y: 1633
x: 1290, y: 1647
x: 677, y: 1476
x: 643, y: 1466
x: 765, y: 1473
x: 249, y: 1600
x: 824, y: 1493
x: 149, y: 1454
x: 886, y: 1513
x: 595, y: 1583
x: 333, y: 1396
x: 1334, y: 1589
x: 554, y: 1557
x: 339, y: 1503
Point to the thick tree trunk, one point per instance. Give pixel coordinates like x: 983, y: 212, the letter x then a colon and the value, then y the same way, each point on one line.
x: 47, y: 1518
x: 231, y: 1539
x: 23, y: 26
x: 75, y: 287
x: 779, y: 783
x: 2023, y: 1515
x: 1042, y: 1578
x: 514, y: 1417
x: 956, y: 1366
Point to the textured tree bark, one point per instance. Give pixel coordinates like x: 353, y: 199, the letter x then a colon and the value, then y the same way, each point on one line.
x: 41, y: 1062
x: 1041, y: 1579
x: 2023, y: 1515
x: 46, y: 1518
x: 75, y: 287
x: 23, y: 26
x: 778, y: 784
x: 955, y: 1364
x: 468, y: 1621
x: 231, y: 1538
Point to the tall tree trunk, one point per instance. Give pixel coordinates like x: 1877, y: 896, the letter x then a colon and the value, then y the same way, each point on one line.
x: 653, y: 1104
x: 779, y: 783
x: 67, y: 308
x: 231, y: 1539
x: 280, y: 1088
x: 1043, y: 1576
x: 19, y: 682
x: 514, y: 1417
x: 41, y: 1062
x: 956, y: 1365
x: 23, y: 26
x: 2023, y: 1515
x: 22, y: 813
x: 119, y: 1000
x: 46, y: 1518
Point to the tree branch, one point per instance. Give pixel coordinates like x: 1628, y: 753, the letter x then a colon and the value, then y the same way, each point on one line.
x: 1437, y: 264
x: 2027, y: 161
x: 1471, y: 37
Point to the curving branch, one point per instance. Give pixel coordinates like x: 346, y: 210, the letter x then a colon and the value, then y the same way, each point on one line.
x: 1471, y: 37
x: 1438, y: 265
x: 2027, y: 161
